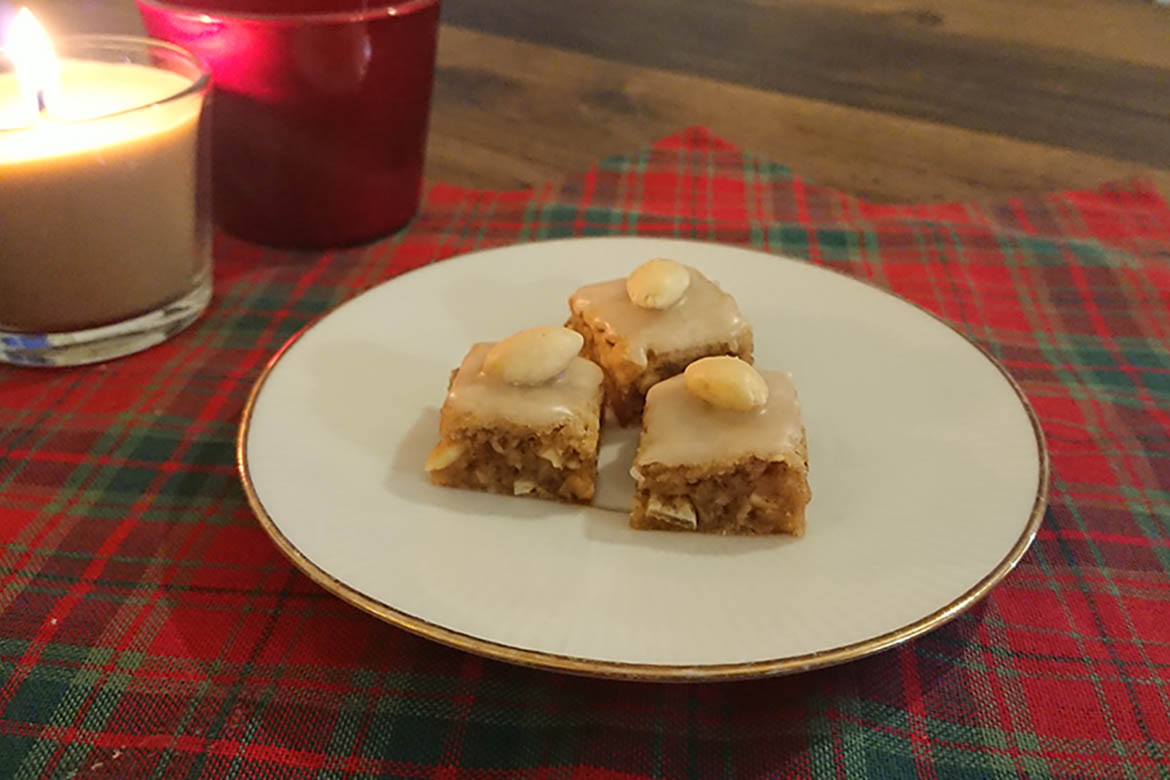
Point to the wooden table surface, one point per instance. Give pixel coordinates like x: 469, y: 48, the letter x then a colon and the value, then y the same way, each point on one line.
x: 894, y: 100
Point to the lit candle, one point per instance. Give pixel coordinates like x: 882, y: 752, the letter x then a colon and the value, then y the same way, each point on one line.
x: 100, y: 219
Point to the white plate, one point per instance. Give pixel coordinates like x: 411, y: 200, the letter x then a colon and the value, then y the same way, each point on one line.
x: 927, y: 467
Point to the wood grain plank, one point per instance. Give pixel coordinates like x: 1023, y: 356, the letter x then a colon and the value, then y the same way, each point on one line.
x: 1125, y: 30
x: 836, y: 54
x: 510, y: 114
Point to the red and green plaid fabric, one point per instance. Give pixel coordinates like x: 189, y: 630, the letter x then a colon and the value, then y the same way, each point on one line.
x: 149, y: 629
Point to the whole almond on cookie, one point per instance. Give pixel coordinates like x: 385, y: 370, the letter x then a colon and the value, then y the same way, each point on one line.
x: 726, y: 382
x: 658, y: 284
x: 533, y: 356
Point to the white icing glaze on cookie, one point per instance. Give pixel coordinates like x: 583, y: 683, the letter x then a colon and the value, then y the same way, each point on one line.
x: 679, y: 428
x: 704, y: 315
x: 572, y: 395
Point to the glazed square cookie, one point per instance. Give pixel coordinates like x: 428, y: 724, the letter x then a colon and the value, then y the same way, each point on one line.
x: 522, y: 417
x: 722, y: 451
x: 651, y: 326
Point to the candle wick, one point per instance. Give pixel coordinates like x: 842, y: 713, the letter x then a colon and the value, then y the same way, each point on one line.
x: 41, y: 102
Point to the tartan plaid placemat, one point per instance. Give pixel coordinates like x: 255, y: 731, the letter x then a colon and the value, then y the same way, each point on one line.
x: 148, y: 628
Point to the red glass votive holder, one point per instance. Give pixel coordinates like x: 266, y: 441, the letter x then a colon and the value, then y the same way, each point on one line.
x: 318, y: 115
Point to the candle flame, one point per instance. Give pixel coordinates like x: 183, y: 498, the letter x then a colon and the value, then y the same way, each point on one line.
x: 32, y: 55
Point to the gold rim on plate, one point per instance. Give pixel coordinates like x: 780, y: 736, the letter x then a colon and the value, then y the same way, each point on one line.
x: 653, y: 672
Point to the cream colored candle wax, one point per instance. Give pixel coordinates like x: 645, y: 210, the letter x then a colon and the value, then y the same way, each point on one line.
x: 99, y: 214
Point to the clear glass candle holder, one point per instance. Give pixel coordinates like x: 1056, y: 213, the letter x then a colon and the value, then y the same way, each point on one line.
x: 105, y: 243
